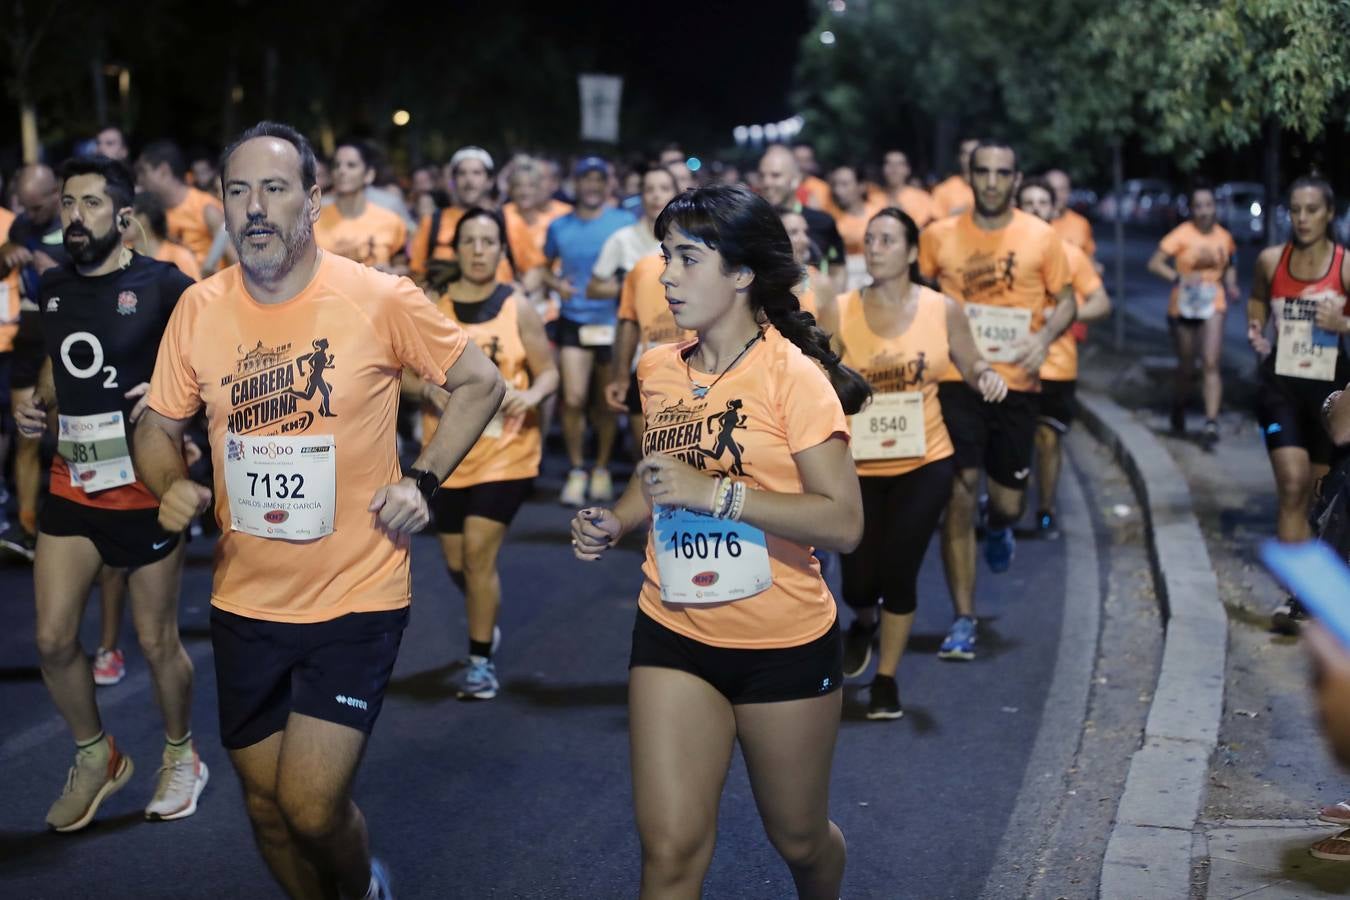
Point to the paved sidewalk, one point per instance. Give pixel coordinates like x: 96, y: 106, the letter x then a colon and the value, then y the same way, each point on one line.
x: 1271, y: 772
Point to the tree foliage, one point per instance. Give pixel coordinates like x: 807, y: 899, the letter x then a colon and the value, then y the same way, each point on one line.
x: 1066, y: 77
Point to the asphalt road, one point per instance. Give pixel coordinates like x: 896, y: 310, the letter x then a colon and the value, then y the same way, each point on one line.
x: 528, y: 795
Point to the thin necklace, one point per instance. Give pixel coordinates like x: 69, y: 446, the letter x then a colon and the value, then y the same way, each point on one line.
x: 700, y: 391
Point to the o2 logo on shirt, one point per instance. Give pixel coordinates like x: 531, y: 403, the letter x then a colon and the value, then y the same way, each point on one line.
x: 95, y: 366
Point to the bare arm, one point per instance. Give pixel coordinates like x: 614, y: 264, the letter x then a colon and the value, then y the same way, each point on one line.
x: 538, y: 356
x: 158, y: 457
x: 603, y: 288
x: 1096, y: 306
x: 1038, y: 345
x: 475, y: 389
x: 625, y: 345
x: 965, y: 355
x: 1159, y: 265
x: 1258, y: 304
x: 827, y: 514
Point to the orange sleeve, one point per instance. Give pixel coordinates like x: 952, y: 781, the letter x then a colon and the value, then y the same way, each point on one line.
x: 417, y: 257
x: 400, y: 230
x: 1089, y: 245
x: 1085, y: 277
x: 423, y: 338
x: 1172, y: 243
x: 174, y: 391
x: 810, y: 408
x: 527, y: 254
x: 1054, y: 264
x: 628, y: 296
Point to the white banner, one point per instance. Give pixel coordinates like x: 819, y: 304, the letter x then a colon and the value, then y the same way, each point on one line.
x: 601, y: 96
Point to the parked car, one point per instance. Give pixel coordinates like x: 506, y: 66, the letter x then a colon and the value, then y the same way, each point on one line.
x: 1142, y: 201
x: 1241, y: 209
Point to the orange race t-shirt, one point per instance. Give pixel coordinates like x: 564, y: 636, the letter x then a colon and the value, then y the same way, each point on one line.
x: 1020, y: 265
x: 952, y: 197
x: 181, y: 257
x: 853, y: 226
x: 1061, y: 362
x: 538, y: 229
x: 527, y: 254
x: 643, y: 300
x: 9, y: 293
x: 327, y: 362
x: 813, y: 191
x: 775, y: 403
x: 516, y: 452
x: 914, y: 360
x: 915, y: 203
x: 1076, y: 230
x: 1199, y: 255
x: 187, y: 223
x: 374, y: 238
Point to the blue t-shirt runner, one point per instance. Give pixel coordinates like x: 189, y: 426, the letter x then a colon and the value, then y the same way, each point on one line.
x: 576, y: 242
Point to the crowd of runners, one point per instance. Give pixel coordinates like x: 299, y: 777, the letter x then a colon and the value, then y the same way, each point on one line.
x: 309, y: 360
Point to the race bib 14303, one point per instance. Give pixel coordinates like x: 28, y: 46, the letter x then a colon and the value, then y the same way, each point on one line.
x: 998, y: 330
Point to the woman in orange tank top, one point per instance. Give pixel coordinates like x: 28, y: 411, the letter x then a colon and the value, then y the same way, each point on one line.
x: 902, y: 337
x: 1197, y: 258
x: 476, y: 504
x: 746, y: 470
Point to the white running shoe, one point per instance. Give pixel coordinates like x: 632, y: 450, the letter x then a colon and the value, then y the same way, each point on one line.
x: 180, y: 784
x: 574, y: 491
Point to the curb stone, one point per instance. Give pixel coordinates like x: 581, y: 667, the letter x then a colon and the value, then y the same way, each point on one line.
x: 1149, y: 850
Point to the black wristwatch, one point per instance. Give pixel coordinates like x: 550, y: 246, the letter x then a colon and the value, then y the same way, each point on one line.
x: 427, y: 482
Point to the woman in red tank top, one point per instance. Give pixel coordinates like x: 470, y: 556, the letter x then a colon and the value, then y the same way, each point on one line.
x: 1295, y: 318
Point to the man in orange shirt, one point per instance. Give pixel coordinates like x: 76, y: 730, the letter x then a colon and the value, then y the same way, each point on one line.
x: 851, y: 208
x: 150, y: 236
x: 955, y: 195
x: 194, y: 216
x: 352, y: 225
x: 297, y: 356
x: 1058, y: 405
x: 470, y: 172
x: 1008, y: 270
x: 813, y: 191
x: 1071, y: 226
x: 915, y: 202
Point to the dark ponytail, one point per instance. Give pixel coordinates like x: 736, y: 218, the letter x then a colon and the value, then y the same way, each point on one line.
x: 748, y: 233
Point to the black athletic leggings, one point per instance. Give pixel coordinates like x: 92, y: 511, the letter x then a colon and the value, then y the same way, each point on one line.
x: 900, y: 514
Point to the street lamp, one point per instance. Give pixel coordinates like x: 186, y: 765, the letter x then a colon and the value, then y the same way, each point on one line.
x: 402, y: 117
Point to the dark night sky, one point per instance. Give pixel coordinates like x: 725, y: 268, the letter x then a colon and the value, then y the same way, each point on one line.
x: 692, y: 71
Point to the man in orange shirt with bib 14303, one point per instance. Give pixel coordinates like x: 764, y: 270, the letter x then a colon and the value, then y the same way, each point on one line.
x: 1059, y: 374
x: 296, y: 355
x: 1009, y: 271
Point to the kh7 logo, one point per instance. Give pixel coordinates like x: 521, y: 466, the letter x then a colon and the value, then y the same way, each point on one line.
x: 276, y: 516
x: 704, y: 579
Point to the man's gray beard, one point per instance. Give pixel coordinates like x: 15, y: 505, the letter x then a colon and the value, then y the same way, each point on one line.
x: 295, y: 241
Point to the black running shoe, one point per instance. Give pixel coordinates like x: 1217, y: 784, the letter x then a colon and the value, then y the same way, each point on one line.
x: 858, y: 648
x: 16, y: 542
x: 1210, y: 436
x: 1287, y: 618
x: 884, y: 699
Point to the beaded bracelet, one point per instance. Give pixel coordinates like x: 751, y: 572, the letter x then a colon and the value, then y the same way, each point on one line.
x: 737, y: 502
x: 716, y: 492
x: 724, y: 500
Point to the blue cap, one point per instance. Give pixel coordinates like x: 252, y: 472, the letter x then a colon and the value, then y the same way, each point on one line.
x: 588, y: 164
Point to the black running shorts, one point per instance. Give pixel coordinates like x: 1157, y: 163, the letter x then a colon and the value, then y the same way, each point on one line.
x: 124, y: 538
x: 336, y: 671
x: 495, y: 500
x: 744, y: 676
x: 998, y: 437
x: 1057, y: 404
